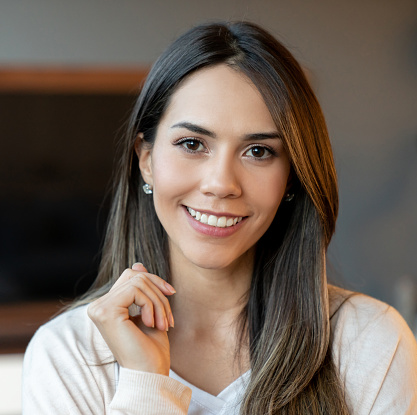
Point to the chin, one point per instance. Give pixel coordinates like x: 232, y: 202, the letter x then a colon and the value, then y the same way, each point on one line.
x: 210, y: 263
x: 214, y: 266
x: 216, y: 260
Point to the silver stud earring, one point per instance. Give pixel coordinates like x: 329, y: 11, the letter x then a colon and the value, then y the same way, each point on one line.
x: 147, y: 188
x: 288, y: 197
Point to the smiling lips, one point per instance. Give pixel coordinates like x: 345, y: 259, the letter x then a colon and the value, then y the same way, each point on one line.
x: 212, y: 220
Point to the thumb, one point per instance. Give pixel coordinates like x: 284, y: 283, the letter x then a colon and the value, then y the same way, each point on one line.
x: 138, y: 266
x: 135, y: 310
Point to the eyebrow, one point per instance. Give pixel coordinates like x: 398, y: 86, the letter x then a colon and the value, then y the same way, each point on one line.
x: 194, y: 128
x: 201, y: 130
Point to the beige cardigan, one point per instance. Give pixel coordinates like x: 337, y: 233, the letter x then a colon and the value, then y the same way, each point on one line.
x: 68, y: 369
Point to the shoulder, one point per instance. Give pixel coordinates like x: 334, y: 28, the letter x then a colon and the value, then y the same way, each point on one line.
x: 356, y: 317
x: 375, y: 352
x: 353, y: 313
x: 66, y: 372
x: 64, y: 368
x: 71, y: 333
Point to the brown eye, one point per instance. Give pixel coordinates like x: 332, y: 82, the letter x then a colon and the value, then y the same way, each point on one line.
x: 257, y: 151
x: 192, y: 145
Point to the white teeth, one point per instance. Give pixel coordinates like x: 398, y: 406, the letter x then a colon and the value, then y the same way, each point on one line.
x: 221, y: 223
x: 212, y: 220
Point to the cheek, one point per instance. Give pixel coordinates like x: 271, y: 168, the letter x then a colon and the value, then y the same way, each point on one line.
x: 170, y: 178
x: 269, y: 190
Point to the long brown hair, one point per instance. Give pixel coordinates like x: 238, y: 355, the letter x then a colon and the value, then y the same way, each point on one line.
x: 286, y: 318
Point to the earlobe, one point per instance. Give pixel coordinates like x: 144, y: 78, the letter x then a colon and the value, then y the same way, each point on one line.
x: 145, y: 160
x: 289, y: 190
x: 290, y: 183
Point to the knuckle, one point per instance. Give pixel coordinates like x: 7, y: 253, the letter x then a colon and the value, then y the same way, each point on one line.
x: 96, y: 311
x: 140, y: 278
x: 125, y: 273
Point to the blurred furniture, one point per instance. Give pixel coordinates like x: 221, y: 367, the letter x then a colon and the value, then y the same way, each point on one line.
x: 19, y: 321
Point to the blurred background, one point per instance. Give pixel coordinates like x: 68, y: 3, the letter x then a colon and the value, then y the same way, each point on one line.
x: 69, y: 73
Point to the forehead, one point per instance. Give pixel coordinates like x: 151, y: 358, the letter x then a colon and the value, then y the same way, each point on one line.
x: 219, y: 94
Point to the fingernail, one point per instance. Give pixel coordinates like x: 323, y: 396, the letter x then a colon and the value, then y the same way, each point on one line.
x: 171, y: 320
x: 170, y: 288
x: 137, y: 264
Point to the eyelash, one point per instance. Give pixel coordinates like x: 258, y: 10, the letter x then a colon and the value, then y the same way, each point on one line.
x: 271, y: 151
x: 183, y: 141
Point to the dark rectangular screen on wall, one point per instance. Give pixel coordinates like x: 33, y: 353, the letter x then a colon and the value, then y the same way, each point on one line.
x: 56, y: 159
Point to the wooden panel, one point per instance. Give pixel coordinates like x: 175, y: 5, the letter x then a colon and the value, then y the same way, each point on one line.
x: 19, y: 321
x: 84, y: 80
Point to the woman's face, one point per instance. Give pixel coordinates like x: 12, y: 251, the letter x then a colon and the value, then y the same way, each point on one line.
x: 218, y: 169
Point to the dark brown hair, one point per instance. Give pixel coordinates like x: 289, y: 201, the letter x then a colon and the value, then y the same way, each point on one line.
x: 286, y: 318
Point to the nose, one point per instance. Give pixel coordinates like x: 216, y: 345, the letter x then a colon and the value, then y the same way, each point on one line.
x: 221, y: 178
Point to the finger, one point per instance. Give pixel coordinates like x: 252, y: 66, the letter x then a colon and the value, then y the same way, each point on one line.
x: 114, y: 305
x: 161, y: 283
x: 165, y: 287
x: 161, y: 296
x: 135, y: 310
x: 132, y: 292
x: 150, y: 279
x: 128, y: 273
x: 138, y: 266
x: 161, y: 306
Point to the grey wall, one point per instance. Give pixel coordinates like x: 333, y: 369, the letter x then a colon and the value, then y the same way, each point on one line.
x: 362, y: 58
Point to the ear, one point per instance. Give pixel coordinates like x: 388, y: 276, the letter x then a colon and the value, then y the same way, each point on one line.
x: 144, y: 153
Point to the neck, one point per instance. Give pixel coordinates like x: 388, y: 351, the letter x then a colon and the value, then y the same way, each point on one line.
x: 209, y: 298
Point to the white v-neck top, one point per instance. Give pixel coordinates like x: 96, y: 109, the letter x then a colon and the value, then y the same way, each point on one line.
x: 69, y: 370
x: 227, y: 402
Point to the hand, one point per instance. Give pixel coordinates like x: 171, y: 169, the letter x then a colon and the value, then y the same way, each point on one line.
x: 141, y: 342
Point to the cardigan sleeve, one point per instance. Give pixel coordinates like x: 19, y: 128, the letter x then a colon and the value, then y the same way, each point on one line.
x: 56, y: 377
x: 376, y: 353
x: 153, y: 394
x: 69, y: 370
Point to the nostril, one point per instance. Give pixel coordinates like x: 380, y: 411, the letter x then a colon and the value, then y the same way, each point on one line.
x: 221, y: 187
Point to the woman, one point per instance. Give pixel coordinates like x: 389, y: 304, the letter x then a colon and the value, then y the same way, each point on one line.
x: 238, y: 206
